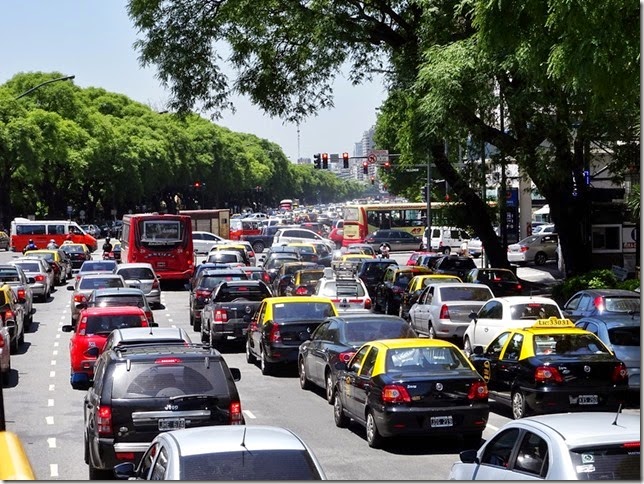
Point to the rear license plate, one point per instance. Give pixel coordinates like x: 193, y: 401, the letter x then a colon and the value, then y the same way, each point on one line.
x: 588, y: 400
x: 445, y: 421
x: 172, y: 423
x: 161, y: 264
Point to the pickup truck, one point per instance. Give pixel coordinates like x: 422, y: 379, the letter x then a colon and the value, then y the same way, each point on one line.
x: 229, y: 310
x: 265, y: 238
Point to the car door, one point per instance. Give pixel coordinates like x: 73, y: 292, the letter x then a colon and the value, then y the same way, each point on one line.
x: 364, y: 383
x: 357, y: 384
x: 488, y: 324
x: 316, y: 353
x: 255, y: 329
x: 349, y: 379
x: 487, y: 362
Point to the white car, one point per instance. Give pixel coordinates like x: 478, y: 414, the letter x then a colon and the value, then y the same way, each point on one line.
x: 347, y: 291
x: 202, y: 242
x: 544, y: 229
x: 559, y: 447
x: 285, y: 236
x: 501, y: 313
x: 442, y: 310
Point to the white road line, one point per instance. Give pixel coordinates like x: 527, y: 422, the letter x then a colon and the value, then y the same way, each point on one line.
x: 52, y: 442
x: 52, y: 387
x: 55, y: 344
x: 248, y: 413
x: 53, y: 362
x: 169, y: 320
x: 49, y: 420
x: 50, y: 402
x: 54, y: 353
x: 53, y: 470
x: 52, y: 374
x: 57, y: 335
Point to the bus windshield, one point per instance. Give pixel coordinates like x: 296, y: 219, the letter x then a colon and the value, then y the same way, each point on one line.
x: 161, y: 232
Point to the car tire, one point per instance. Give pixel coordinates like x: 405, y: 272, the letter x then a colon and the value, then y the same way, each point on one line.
x: 258, y: 247
x: 99, y: 474
x: 341, y: 420
x: 304, y: 382
x: 264, y: 365
x: 250, y: 357
x: 519, y: 406
x: 467, y: 347
x: 374, y: 439
x: 431, y: 332
x: 540, y: 259
x: 447, y: 251
x: 329, y: 387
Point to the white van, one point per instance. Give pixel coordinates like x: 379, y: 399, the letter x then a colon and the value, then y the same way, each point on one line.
x: 446, y: 239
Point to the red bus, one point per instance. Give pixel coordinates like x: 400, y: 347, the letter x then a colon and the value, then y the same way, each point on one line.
x: 165, y: 241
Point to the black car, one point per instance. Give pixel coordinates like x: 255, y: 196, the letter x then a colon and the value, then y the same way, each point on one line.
x: 398, y: 240
x: 371, y: 272
x: 77, y: 254
x: 429, y: 260
x: 203, y: 286
x: 141, y: 390
x: 454, y: 265
x: 337, y: 339
x: 601, y: 302
x: 388, y: 293
x: 275, y: 260
x: 502, y: 282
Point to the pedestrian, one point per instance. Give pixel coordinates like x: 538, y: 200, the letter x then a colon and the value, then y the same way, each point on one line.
x: 464, y: 250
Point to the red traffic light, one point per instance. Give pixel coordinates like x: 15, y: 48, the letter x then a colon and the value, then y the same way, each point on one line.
x: 345, y: 160
x: 325, y: 156
x: 365, y: 167
x: 373, y: 180
x: 197, y: 184
x: 387, y: 165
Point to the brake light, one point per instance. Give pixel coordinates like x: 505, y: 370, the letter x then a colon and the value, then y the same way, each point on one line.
x: 620, y: 374
x: 274, y: 336
x: 144, y: 320
x: 547, y: 374
x: 301, y: 291
x: 221, y: 316
x: 2, y: 342
x: 22, y: 294
x: 104, y: 420
x: 524, y: 248
x: 478, y: 391
x: 519, y: 287
x: 155, y: 284
x: 598, y: 302
x: 202, y: 293
x: 80, y: 298
x: 235, y: 413
x: 8, y: 314
x: 251, y: 254
x: 395, y: 394
x: 167, y: 361
x: 631, y: 445
x: 444, y: 314
x: 367, y: 303
x: 266, y: 278
x: 125, y: 456
x: 345, y: 356
x: 39, y: 278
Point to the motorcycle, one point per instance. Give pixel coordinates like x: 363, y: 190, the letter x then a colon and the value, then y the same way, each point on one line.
x: 109, y: 255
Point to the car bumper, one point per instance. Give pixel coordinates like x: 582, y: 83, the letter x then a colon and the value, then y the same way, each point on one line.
x: 282, y: 354
x: 450, y: 329
x: 232, y: 328
x: 516, y: 257
x: 550, y: 401
x: 108, y: 453
x: 38, y: 289
x: 392, y: 421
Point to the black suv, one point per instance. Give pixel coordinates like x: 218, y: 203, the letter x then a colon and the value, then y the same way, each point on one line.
x: 371, y: 272
x: 203, y: 286
x: 454, y: 265
x: 142, y: 390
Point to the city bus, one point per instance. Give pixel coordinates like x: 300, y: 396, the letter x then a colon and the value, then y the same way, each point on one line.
x: 163, y: 240
x: 363, y: 219
x: 42, y: 231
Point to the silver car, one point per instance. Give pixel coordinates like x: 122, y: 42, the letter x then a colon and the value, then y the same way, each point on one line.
x: 42, y: 273
x: 85, y: 284
x: 225, y: 452
x: 536, y: 248
x: 142, y: 276
x: 20, y: 283
x: 146, y: 335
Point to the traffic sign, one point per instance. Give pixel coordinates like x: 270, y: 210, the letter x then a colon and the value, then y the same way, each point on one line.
x: 334, y: 158
x: 380, y: 156
x: 372, y: 158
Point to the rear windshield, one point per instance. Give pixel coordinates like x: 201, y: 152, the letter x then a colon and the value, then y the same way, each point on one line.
x: 621, y: 304
x: 358, y: 332
x: 302, y: 311
x: 310, y: 277
x: 625, y: 336
x: 569, y: 345
x: 450, y: 263
x: 96, y: 283
x: 251, y: 293
x: 107, y: 323
x: 422, y: 360
x: 137, y: 273
x: 210, y: 282
x: 9, y: 274
x: 29, y: 266
x: 342, y: 289
x: 505, y: 276
x: 146, y: 380
x: 127, y: 300
x: 225, y: 258
x: 465, y: 293
x: 73, y: 249
x: 612, y: 463
x: 90, y: 266
x: 242, y: 465
x: 534, y: 311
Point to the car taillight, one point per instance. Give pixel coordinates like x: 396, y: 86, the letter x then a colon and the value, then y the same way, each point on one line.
x: 367, y: 303
x: 266, y: 278
x: 39, y: 278
x: 444, y: 314
x: 125, y: 456
x: 202, y: 293
x: 274, y: 336
x: 395, y: 394
x: 155, y: 284
x: 80, y: 298
x: 345, y: 356
x: 235, y: 412
x: 251, y: 254
x: 620, y: 374
x: 547, y: 374
x: 2, y: 342
x: 524, y: 248
x: 253, y: 325
x: 598, y: 302
x: 8, y: 314
x: 301, y: 291
x: 478, y: 391
x: 22, y: 294
x: 144, y: 320
x: 104, y: 420
x: 519, y: 287
x: 631, y: 445
x: 221, y: 316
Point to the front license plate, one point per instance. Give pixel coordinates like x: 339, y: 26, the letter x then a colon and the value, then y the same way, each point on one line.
x: 445, y: 421
x: 172, y: 423
x: 588, y: 400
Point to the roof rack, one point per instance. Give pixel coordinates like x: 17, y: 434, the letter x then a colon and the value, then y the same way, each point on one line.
x: 345, y: 270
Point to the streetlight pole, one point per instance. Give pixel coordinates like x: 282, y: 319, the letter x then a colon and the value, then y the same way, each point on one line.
x: 66, y: 78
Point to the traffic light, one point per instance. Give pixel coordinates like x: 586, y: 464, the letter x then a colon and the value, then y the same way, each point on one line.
x: 197, y: 184
x: 387, y: 165
x: 325, y: 161
x: 316, y: 161
x: 345, y: 160
x: 365, y: 167
x: 373, y: 180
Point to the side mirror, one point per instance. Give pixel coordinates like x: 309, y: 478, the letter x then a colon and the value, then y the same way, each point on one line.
x: 125, y: 470
x: 477, y: 350
x: 236, y: 374
x: 67, y: 328
x: 467, y: 456
x: 473, y: 316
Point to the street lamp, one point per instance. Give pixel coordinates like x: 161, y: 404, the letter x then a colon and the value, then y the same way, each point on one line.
x: 66, y: 78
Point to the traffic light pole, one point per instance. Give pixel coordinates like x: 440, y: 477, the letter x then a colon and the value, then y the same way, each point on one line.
x: 429, y: 205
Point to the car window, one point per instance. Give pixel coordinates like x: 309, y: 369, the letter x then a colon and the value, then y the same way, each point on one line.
x: 369, y: 363
x: 532, y: 456
x: 624, y: 336
x: 534, y: 311
x: 499, y: 449
x: 465, y: 293
x: 494, y: 349
x: 298, y: 311
x: 136, y: 273
x: 513, y: 350
x: 354, y: 363
x: 621, y: 304
x: 160, y: 466
x: 585, y: 302
x: 147, y: 460
x: 573, y: 303
x: 107, y: 323
x: 98, y: 283
x: 495, y: 310
x: 607, y: 462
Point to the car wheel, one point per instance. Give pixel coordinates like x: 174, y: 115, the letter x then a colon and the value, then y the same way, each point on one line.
x: 250, y: 357
x: 374, y: 439
x: 540, y: 259
x: 341, y: 420
x: 431, y: 332
x: 99, y: 474
x: 304, y: 382
x: 329, y: 388
x: 467, y: 347
x: 264, y: 365
x: 519, y: 409
x: 258, y: 247
x: 447, y: 250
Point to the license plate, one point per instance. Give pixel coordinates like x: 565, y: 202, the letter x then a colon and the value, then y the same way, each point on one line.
x: 172, y: 423
x: 160, y: 264
x: 445, y: 421
x: 588, y: 400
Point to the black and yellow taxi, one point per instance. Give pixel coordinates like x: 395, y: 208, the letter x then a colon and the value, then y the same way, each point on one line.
x: 304, y: 281
x: 412, y: 386
x: 552, y: 367
x: 280, y: 325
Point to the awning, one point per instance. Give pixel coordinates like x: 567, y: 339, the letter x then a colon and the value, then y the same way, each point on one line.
x: 545, y: 210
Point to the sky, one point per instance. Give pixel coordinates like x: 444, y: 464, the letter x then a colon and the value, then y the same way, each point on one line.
x: 93, y: 40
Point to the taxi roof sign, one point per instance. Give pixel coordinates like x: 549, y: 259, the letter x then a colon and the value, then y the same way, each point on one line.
x: 553, y: 322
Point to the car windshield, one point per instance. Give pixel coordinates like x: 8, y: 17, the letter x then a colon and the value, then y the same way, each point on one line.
x: 465, y: 293
x: 107, y: 323
x: 73, y: 249
x: 243, y: 465
x: 621, y: 304
x: 615, y: 462
x: 424, y: 360
x: 359, y: 332
x: 302, y: 311
x: 310, y: 277
x: 534, y: 311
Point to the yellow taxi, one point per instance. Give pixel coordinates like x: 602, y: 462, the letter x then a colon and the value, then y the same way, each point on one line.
x: 57, y: 259
x: 77, y: 253
x: 411, y: 386
x: 415, y: 287
x: 552, y: 367
x: 280, y: 325
x: 304, y: 282
x: 244, y: 248
x: 308, y: 252
x: 350, y: 259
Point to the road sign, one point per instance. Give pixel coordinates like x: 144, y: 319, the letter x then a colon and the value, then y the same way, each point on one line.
x: 334, y: 158
x: 379, y: 156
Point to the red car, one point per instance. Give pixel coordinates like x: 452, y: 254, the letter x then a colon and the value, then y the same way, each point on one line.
x: 94, y: 326
x: 414, y: 256
x: 337, y: 233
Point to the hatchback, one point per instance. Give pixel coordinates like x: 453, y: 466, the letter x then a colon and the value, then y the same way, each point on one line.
x: 602, y: 302
x: 142, y: 276
x: 205, y: 454
x: 85, y: 284
x: 120, y: 296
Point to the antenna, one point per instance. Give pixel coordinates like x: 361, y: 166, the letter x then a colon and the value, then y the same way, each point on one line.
x: 243, y: 442
x: 619, y: 410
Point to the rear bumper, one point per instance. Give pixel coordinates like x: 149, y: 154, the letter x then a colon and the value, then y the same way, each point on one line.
x: 233, y: 329
x: 568, y: 400
x: 282, y: 354
x: 450, y: 329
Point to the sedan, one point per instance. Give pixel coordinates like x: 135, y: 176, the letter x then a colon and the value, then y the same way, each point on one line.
x: 398, y: 240
x: 20, y: 283
x: 337, y: 339
x: 202, y: 242
x: 538, y: 249
x: 77, y: 253
x: 602, y: 302
x: 142, y: 276
x: 502, y: 282
x: 412, y: 386
x: 227, y: 453
x: 42, y: 274
x: 558, y: 447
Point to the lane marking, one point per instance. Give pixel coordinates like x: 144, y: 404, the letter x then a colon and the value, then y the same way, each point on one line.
x: 248, y: 413
x: 52, y: 442
x: 53, y: 470
x: 52, y: 387
x: 50, y: 402
x: 169, y: 320
x: 53, y: 362
x: 57, y: 335
x: 55, y: 344
x: 55, y: 353
x: 49, y: 420
x: 52, y: 374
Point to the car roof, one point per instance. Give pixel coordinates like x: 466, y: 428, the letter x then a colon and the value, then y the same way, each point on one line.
x: 112, y: 310
x: 110, y: 291
x: 608, y: 292
x: 227, y: 438
x: 525, y: 300
x: 128, y: 265
x: 368, y: 318
x: 100, y: 275
x: 401, y: 343
x: 151, y: 332
x: 588, y: 428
